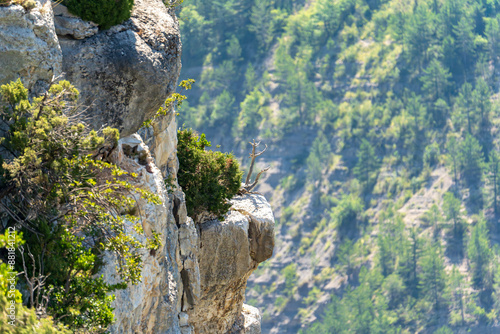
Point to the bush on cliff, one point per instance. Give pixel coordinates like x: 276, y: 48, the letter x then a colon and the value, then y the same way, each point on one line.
x: 70, y: 205
x: 106, y: 13
x: 15, y: 318
x: 208, y: 178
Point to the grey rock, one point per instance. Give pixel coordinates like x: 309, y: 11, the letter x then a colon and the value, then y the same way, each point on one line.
x: 153, y: 305
x: 161, y: 137
x: 29, y: 47
x: 252, y: 320
x: 71, y: 25
x: 190, y: 271
x: 183, y: 319
x: 261, y: 230
x: 124, y: 74
x: 226, y: 260
x: 249, y: 322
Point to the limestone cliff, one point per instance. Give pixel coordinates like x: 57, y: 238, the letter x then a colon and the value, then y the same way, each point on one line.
x: 29, y: 47
x: 195, y: 282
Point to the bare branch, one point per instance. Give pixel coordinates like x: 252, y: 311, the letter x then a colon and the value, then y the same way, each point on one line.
x: 248, y: 188
x: 253, y: 155
x: 38, y: 294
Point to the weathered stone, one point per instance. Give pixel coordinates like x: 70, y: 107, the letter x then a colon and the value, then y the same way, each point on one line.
x: 29, y: 48
x: 183, y: 319
x: 124, y: 74
x: 261, y: 229
x: 71, y: 25
x: 161, y: 138
x: 226, y: 261
x: 153, y: 305
x: 249, y: 322
x: 190, y: 272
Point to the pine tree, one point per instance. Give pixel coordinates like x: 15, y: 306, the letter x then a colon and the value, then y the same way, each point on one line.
x: 333, y: 320
x: 471, y: 160
x: 419, y: 34
x: 465, y: 40
x: 392, y: 243
x: 432, y: 280
x: 319, y: 157
x: 463, y: 111
x: 493, y: 34
x: 496, y: 288
x: 453, y: 156
x: 368, y: 163
x: 493, y: 176
x: 435, y: 81
x: 481, y: 100
x: 410, y: 261
x: 460, y: 301
x: 480, y: 254
x: 451, y: 208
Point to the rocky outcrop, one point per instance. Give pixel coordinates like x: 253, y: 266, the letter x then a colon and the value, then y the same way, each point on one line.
x: 29, y: 48
x: 250, y: 323
x: 67, y: 24
x: 124, y: 74
x: 161, y: 138
x: 227, y: 257
x: 152, y: 306
x: 195, y: 283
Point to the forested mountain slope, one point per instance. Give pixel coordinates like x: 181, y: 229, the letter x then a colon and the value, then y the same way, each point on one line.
x: 381, y: 119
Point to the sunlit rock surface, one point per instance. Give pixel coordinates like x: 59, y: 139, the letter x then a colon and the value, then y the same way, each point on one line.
x: 124, y: 74
x: 230, y: 251
x: 29, y: 48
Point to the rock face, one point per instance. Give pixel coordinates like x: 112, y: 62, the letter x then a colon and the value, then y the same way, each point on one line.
x: 124, y: 74
x: 227, y: 258
x: 251, y: 321
x: 71, y: 25
x: 153, y: 305
x: 29, y: 48
x: 195, y: 283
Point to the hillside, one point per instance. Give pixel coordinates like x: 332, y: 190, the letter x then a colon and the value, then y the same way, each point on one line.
x: 381, y: 120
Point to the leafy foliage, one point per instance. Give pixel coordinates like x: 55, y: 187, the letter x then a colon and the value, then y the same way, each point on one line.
x: 27, y: 4
x: 208, y: 178
x: 106, y: 13
x: 71, y: 206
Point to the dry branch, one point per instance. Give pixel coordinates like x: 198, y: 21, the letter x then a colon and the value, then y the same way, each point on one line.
x: 249, y: 186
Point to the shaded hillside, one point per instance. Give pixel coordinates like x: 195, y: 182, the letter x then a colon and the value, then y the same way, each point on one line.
x: 381, y: 119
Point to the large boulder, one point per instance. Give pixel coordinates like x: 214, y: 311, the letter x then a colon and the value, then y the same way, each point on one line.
x: 124, y: 74
x: 29, y: 48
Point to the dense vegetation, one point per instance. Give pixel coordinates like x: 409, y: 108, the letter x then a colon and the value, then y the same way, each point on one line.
x: 392, y: 207
x: 67, y: 206
x: 27, y: 4
x: 208, y: 178
x: 106, y: 13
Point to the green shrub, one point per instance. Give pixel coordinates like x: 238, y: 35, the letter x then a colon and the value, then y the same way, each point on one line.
x: 27, y: 4
x: 431, y: 155
x: 59, y: 190
x: 24, y: 320
x: 106, y: 13
x: 208, y: 178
